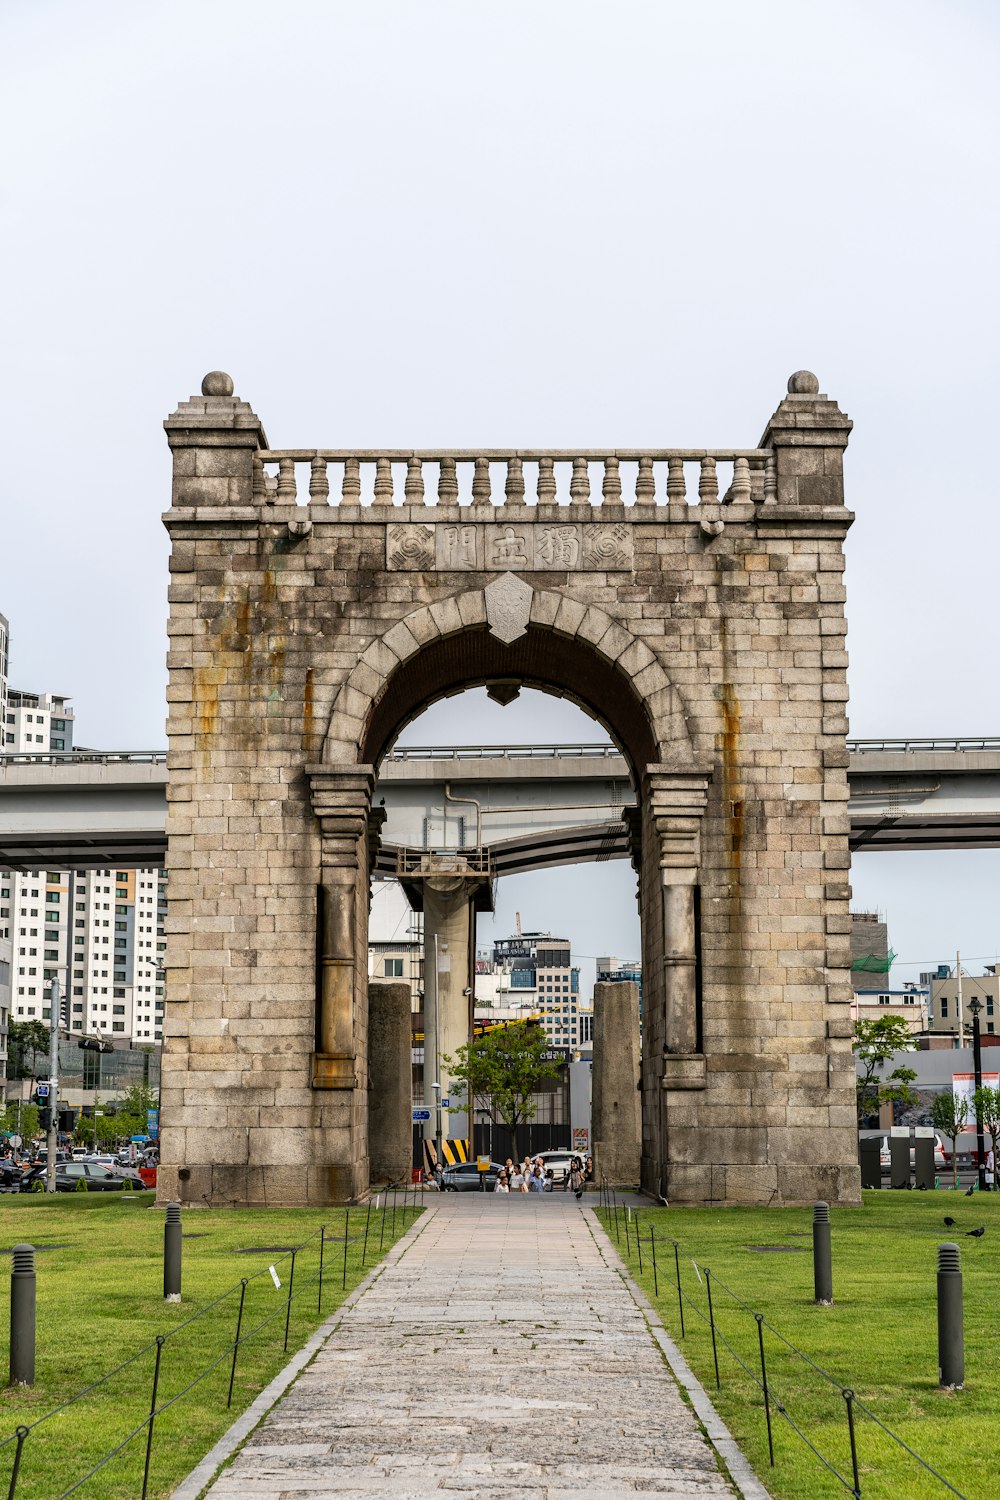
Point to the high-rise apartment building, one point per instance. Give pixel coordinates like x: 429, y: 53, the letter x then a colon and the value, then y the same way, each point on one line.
x: 4, y: 656
x: 37, y: 723
x: 99, y: 932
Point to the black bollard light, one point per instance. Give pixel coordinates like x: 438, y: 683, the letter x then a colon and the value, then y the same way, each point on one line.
x: 22, y: 1316
x: 822, y: 1260
x: 951, y: 1333
x: 172, y: 1254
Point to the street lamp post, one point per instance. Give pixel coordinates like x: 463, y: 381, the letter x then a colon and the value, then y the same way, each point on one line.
x: 53, y: 1100
x: 975, y: 1006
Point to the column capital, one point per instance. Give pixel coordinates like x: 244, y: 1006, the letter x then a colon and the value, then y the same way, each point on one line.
x: 341, y: 798
x: 677, y: 799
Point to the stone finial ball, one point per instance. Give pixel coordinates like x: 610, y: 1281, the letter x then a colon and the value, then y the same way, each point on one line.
x: 217, y: 383
x: 803, y: 383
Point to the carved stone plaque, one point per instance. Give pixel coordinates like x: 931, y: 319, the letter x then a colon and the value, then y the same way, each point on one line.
x: 508, y: 606
x: 510, y: 547
x: 410, y: 547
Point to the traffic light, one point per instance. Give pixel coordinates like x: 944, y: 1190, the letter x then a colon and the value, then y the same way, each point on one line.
x: 44, y: 1117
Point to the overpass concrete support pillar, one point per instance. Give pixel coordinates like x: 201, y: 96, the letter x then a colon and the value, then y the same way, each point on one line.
x: 616, y: 1108
x: 449, y: 970
x: 390, y: 1093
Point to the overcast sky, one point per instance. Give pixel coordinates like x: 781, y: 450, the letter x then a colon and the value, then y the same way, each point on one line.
x: 449, y: 223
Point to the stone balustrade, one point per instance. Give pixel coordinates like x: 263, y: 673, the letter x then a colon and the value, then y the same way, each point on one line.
x: 480, y: 479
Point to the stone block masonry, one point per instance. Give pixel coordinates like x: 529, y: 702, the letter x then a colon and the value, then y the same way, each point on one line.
x: 702, y: 623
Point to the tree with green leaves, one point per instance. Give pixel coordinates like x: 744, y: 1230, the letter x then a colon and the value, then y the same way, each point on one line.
x: 949, y: 1114
x: 986, y: 1104
x: 875, y: 1043
x: 502, y: 1070
x: 21, y: 1120
x: 25, y: 1041
x: 130, y: 1113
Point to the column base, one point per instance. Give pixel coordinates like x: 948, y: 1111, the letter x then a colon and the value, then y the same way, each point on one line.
x: 684, y: 1070
x: 334, y: 1070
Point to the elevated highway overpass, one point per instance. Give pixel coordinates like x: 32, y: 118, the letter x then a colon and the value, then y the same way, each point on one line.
x: 532, y: 806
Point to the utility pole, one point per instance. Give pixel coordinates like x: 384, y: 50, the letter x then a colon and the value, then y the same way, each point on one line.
x: 50, y: 1155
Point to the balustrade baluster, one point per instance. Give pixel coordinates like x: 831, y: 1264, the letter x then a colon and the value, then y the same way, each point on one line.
x: 676, y: 485
x: 448, y: 483
x: 481, y: 482
x: 708, y: 482
x: 645, y: 484
x: 579, y: 485
x: 612, y: 487
x: 286, y: 481
x: 546, y: 481
x: 414, y: 488
x: 260, y: 494
x: 770, y: 481
x: 741, y: 481
x: 319, y: 484
x: 383, y: 482
x: 350, y: 493
x: 515, y: 482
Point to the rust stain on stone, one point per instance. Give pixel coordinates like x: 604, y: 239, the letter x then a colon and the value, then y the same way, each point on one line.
x: 309, y: 713
x: 206, y: 705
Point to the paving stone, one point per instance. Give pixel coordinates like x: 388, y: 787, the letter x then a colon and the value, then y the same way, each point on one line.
x: 542, y: 1388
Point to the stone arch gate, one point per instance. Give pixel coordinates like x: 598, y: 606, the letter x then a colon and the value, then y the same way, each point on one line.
x: 702, y: 623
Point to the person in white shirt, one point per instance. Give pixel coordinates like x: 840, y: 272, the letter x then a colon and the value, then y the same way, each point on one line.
x: 501, y: 1184
x: 517, y: 1181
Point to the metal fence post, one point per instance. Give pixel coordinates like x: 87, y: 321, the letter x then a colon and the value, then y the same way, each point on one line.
x: 347, y: 1229
x: 822, y: 1260
x: 638, y: 1241
x: 849, y: 1400
x: 381, y: 1236
x: 680, y: 1295
x: 711, y: 1324
x: 236, y: 1341
x: 951, y: 1333
x: 288, y: 1309
x: 652, y: 1251
x: 628, y: 1241
x: 319, y: 1293
x: 160, y: 1341
x: 172, y: 1249
x: 22, y: 1433
x: 763, y: 1378
x: 22, y: 1316
x: 364, y: 1248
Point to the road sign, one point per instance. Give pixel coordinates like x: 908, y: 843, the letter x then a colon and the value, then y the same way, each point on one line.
x: 421, y: 1114
x: 15, y: 1141
x: 41, y: 1091
x: 482, y: 1164
x: 446, y: 1104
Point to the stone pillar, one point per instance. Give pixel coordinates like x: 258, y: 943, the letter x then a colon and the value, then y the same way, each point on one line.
x: 390, y: 1093
x: 677, y: 804
x: 341, y: 798
x: 616, y: 1106
x: 449, y: 958
x: 808, y: 433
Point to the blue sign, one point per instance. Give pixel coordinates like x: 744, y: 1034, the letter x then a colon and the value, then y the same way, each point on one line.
x: 445, y: 1103
x: 153, y: 1122
x: 421, y: 1114
x: 41, y: 1091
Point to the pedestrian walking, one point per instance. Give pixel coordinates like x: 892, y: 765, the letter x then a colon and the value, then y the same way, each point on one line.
x: 576, y: 1178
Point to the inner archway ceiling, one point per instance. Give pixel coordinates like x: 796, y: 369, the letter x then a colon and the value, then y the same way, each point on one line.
x: 539, y: 659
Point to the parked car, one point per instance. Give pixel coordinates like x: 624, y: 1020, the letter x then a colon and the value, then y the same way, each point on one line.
x: 465, y: 1177
x: 558, y: 1163
x: 99, y: 1179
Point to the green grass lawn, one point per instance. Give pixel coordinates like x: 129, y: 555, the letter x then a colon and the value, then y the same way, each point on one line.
x: 100, y: 1301
x: 880, y: 1337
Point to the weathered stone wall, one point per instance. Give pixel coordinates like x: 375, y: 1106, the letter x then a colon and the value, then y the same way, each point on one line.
x: 708, y: 638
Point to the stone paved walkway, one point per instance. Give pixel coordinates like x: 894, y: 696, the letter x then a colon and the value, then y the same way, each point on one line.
x: 500, y: 1356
